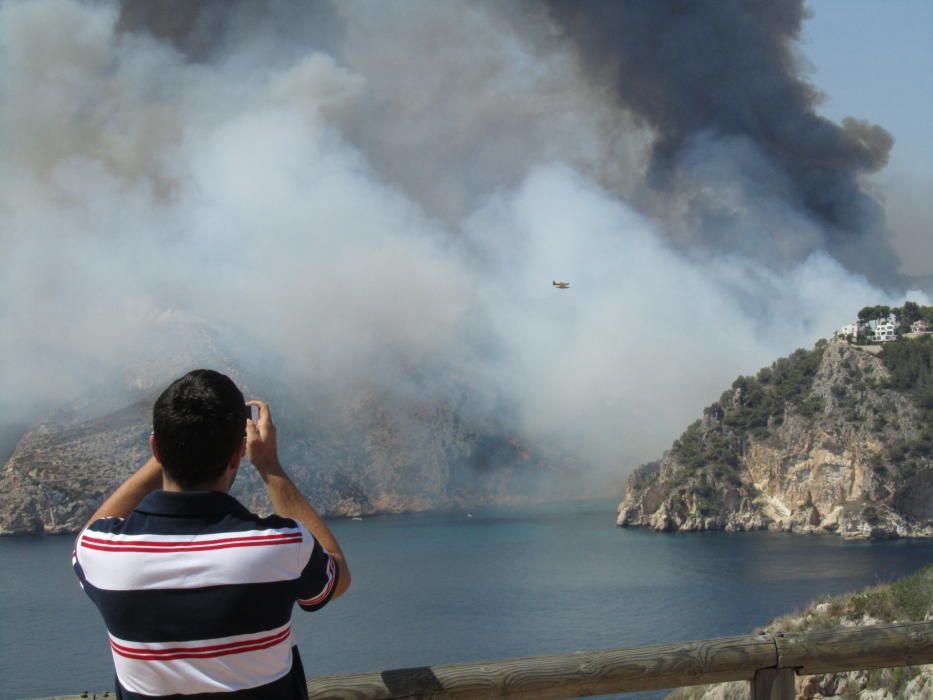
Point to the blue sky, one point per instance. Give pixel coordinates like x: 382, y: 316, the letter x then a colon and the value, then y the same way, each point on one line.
x: 874, y: 60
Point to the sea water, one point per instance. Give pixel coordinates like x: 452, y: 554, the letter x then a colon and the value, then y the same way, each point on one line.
x: 495, y: 583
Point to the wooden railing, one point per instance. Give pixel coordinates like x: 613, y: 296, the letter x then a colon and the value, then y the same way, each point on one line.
x: 768, y: 662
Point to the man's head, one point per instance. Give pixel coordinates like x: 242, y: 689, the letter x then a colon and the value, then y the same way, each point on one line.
x: 199, y: 423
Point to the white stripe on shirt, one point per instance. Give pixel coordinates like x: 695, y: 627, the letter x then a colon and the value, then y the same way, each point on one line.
x: 204, y: 666
x: 146, y: 562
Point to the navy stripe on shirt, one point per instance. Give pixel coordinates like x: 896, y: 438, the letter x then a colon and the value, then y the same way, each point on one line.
x: 202, y: 613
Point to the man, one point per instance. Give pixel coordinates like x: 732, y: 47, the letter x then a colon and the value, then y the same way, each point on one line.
x: 196, y: 591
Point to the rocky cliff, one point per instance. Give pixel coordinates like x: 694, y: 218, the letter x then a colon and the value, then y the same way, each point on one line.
x: 835, y: 439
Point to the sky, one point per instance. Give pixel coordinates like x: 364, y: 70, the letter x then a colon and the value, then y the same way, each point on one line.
x: 874, y: 59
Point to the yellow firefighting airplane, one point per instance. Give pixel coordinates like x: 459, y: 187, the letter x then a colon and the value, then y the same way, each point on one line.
x: 561, y: 285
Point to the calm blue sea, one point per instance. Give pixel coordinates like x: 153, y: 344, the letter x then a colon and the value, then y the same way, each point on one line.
x: 507, y: 582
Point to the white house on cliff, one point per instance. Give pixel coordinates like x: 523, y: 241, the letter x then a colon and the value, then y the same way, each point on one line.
x: 850, y: 330
x: 883, y: 328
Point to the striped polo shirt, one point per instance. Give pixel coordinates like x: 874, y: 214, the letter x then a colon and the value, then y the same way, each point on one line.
x: 197, y: 594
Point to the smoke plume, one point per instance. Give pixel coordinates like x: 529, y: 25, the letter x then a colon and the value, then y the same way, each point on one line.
x: 354, y: 194
x: 720, y: 81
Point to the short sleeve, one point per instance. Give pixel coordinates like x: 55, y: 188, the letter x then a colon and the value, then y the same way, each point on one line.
x: 103, y: 525
x: 318, y: 578
x: 79, y: 572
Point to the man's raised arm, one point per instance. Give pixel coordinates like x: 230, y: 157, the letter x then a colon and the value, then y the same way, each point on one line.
x: 128, y: 495
x: 287, y: 500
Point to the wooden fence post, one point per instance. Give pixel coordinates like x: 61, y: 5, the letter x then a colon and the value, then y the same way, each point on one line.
x: 773, y: 684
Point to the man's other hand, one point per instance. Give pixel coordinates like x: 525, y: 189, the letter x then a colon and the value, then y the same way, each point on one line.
x: 261, y: 447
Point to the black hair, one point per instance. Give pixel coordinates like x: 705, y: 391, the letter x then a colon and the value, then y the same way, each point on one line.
x: 199, y: 423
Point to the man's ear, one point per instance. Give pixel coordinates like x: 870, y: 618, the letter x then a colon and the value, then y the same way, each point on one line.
x: 232, y: 470
x: 238, y: 455
x: 154, y: 447
x: 234, y: 465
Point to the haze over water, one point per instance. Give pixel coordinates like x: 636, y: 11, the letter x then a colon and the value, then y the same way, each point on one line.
x: 444, y: 588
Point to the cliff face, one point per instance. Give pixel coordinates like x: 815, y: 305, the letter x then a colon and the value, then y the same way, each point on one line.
x: 60, y: 470
x: 828, y: 440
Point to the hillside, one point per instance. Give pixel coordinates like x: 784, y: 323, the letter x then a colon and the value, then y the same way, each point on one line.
x: 907, y: 600
x: 365, y: 458
x: 833, y: 439
x: 370, y: 449
x: 370, y: 454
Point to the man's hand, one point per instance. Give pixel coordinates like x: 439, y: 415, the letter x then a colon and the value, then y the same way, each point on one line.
x: 287, y: 500
x: 261, y: 447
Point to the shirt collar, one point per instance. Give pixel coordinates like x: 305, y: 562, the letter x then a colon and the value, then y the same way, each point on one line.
x: 190, y: 503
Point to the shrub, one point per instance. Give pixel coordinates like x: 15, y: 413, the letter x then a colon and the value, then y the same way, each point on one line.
x: 905, y: 600
x: 910, y: 364
x: 752, y: 409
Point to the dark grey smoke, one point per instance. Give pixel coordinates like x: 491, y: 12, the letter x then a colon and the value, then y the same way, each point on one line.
x: 205, y: 29
x: 696, y: 70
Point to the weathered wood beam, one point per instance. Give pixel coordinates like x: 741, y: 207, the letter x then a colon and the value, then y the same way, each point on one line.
x: 852, y: 649
x: 564, y: 676
x: 645, y: 668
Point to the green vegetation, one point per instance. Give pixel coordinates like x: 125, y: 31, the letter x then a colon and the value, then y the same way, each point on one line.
x: 911, y: 312
x: 753, y: 407
x: 910, y: 363
x: 906, y: 600
x: 906, y: 314
x: 871, y: 313
x: 909, y: 599
x: 784, y: 385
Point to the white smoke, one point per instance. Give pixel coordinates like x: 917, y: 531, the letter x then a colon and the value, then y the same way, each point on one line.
x: 144, y: 197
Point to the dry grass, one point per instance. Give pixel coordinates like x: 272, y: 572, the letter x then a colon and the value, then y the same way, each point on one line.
x: 906, y: 600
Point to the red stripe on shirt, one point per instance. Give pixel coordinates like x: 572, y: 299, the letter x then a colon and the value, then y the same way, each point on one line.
x: 205, y: 652
x: 189, y: 543
x: 197, y: 546
x: 186, y: 549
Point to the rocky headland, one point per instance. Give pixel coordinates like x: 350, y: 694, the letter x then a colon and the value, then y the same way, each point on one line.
x: 835, y: 439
